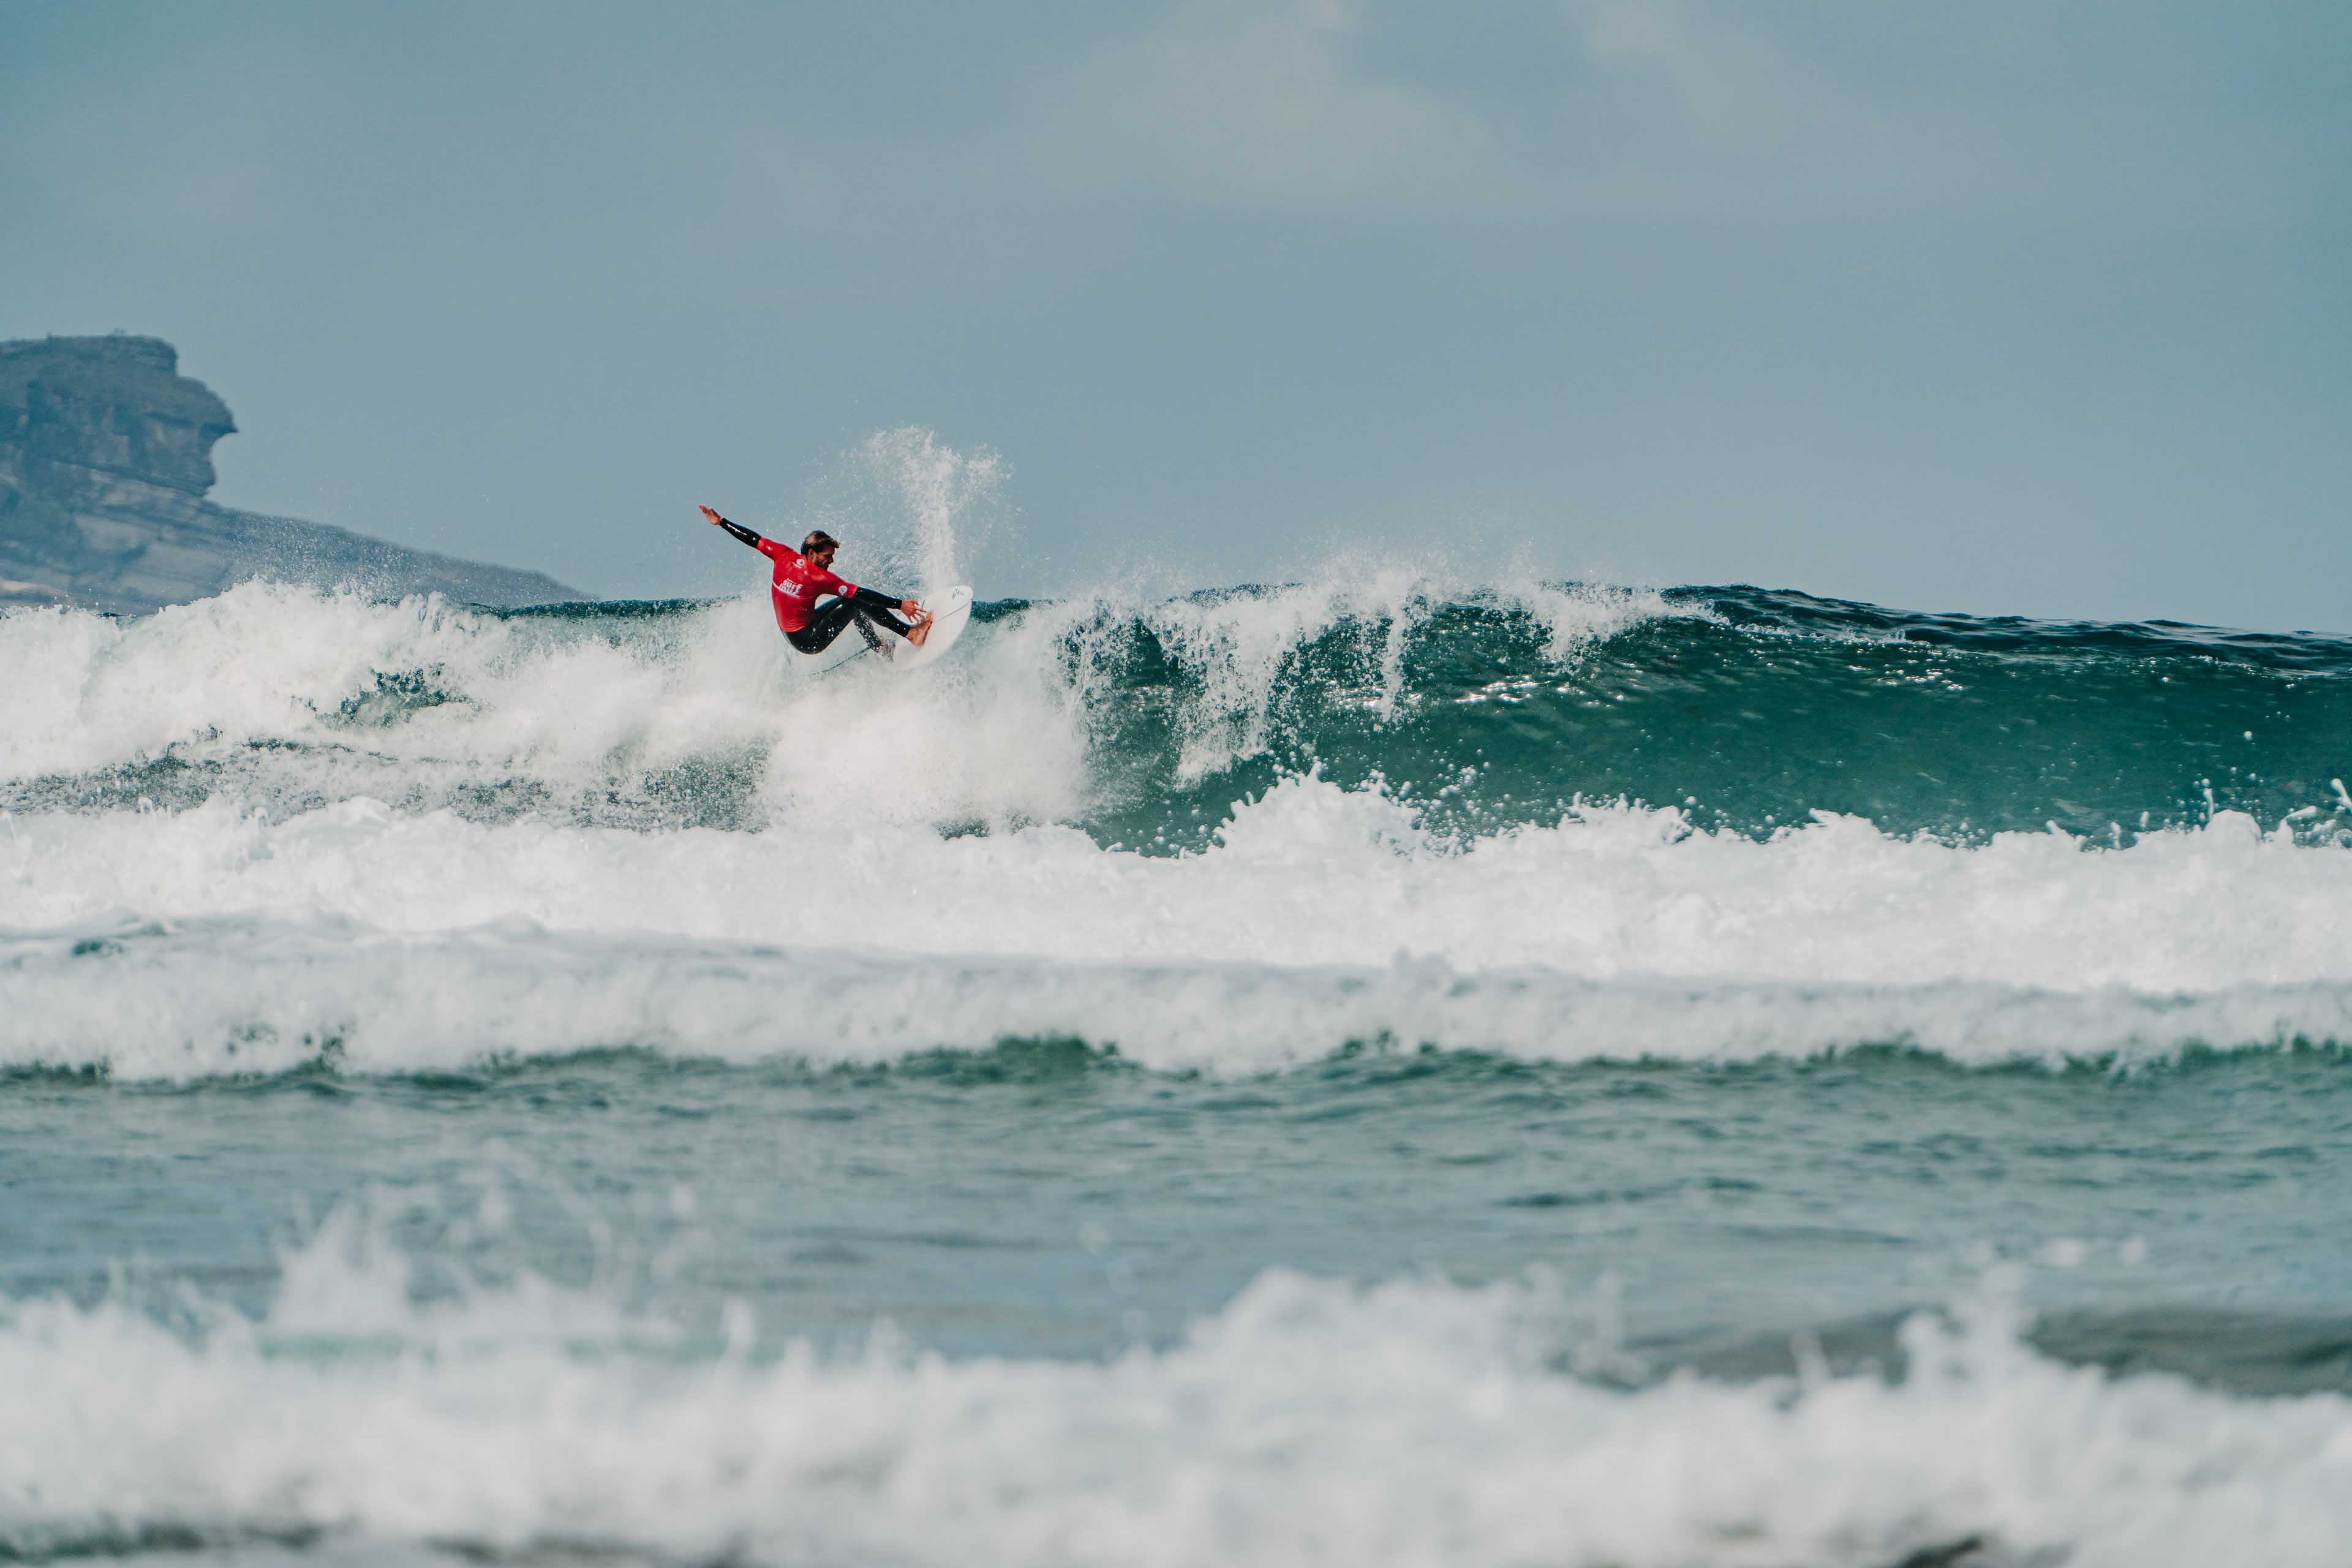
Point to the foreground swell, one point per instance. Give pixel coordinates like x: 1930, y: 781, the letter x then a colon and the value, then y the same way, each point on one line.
x: 1305, y: 1422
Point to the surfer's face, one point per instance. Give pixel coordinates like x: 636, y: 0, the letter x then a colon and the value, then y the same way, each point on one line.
x: 823, y: 555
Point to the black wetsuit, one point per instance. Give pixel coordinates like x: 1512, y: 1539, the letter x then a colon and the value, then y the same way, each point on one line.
x: 827, y: 619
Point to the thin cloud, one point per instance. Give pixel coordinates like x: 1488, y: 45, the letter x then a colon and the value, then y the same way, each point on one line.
x: 1729, y: 91
x: 1657, y: 106
x: 1267, y: 109
x: 1257, y: 108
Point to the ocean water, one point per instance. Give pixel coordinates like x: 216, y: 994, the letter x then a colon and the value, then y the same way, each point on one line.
x: 1378, y: 1069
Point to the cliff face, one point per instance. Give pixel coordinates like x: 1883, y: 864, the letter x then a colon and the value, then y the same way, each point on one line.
x: 105, y: 456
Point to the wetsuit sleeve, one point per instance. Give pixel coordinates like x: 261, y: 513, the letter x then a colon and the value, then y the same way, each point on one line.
x: 743, y: 533
x: 867, y: 599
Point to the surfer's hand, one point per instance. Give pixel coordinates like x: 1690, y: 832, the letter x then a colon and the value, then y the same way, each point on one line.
x: 912, y: 610
x: 714, y: 519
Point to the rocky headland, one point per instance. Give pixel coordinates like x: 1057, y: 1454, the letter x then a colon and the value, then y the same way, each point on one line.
x: 105, y: 459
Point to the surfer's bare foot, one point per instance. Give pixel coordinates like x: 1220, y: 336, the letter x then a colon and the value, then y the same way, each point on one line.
x: 920, y: 629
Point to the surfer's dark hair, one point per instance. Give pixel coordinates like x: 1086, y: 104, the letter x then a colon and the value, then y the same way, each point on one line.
x: 817, y: 540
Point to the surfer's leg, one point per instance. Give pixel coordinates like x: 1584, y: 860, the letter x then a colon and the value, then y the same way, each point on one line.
x: 823, y: 628
x: 868, y: 620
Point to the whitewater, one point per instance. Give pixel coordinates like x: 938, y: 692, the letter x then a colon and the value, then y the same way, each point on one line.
x: 1383, y: 1068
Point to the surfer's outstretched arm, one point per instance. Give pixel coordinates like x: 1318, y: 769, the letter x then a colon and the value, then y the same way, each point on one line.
x: 885, y: 606
x: 736, y: 528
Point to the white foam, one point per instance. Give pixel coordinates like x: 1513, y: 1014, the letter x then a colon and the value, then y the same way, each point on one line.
x: 233, y: 997
x: 579, y: 706
x: 1322, y: 916
x: 1310, y: 874
x: 1309, y: 1422
x: 1318, y: 915
x: 570, y: 704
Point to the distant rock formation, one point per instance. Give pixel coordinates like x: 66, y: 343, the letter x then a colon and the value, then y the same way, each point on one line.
x: 105, y: 456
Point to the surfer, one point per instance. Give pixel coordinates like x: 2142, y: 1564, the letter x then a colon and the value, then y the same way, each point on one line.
x: 803, y: 575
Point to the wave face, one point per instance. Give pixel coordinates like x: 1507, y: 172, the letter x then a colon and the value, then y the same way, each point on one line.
x: 1142, y: 722
x: 1382, y: 1069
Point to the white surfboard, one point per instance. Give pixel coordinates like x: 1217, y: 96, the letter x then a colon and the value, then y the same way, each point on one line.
x: 950, y: 613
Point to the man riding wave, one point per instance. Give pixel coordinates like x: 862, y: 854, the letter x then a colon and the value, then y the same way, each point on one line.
x: 806, y: 575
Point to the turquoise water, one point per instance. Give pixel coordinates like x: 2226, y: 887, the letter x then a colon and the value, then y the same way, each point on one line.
x: 1367, y: 1072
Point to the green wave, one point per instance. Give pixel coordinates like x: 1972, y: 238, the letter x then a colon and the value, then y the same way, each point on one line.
x: 1753, y: 708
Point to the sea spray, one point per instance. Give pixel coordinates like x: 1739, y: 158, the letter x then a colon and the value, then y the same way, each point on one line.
x: 914, y: 513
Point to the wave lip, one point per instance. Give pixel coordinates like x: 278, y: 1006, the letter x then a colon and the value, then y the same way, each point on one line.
x: 233, y: 996
x: 1307, y: 1422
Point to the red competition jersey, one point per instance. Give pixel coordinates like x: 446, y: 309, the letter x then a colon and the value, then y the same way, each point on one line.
x: 798, y: 583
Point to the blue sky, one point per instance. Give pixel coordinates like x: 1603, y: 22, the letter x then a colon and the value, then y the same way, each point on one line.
x: 2005, y: 308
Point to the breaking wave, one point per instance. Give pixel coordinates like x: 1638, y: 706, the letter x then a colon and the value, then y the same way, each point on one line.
x: 1227, y: 831
x: 1307, y: 1421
